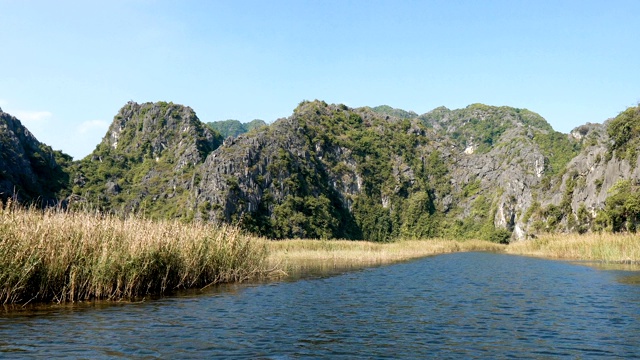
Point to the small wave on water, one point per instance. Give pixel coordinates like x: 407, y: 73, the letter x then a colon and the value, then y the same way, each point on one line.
x: 468, y: 305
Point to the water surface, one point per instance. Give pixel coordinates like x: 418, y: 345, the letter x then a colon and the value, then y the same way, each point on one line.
x: 468, y: 305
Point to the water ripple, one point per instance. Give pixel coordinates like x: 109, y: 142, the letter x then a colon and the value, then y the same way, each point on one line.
x: 473, y: 305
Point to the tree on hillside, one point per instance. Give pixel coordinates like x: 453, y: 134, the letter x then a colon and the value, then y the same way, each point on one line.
x: 622, y: 207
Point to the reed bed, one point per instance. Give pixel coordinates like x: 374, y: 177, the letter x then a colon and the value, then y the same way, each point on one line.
x: 290, y: 254
x: 58, y: 256
x: 53, y: 255
x: 607, y: 248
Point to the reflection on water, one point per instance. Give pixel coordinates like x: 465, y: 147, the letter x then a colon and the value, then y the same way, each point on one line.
x: 450, y: 306
x: 630, y: 279
x: 626, y: 273
x: 631, y: 267
x: 315, y: 268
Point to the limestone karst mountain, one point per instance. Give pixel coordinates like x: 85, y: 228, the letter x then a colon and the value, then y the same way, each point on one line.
x: 146, y: 162
x: 330, y: 171
x: 234, y: 128
x: 29, y: 170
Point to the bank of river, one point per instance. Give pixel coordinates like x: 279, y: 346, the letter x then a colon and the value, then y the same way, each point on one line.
x: 57, y: 256
x: 449, y: 306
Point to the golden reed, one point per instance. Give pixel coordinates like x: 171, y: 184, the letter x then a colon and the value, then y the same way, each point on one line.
x: 607, y: 248
x: 290, y: 254
x: 52, y: 255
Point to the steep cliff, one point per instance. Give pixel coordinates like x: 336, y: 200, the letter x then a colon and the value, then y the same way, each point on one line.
x: 330, y: 171
x: 146, y: 162
x: 333, y: 171
x: 598, y: 189
x: 29, y: 170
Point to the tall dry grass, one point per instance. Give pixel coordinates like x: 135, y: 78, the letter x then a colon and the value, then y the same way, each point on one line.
x: 58, y: 256
x: 609, y: 248
x: 290, y: 254
x: 61, y: 256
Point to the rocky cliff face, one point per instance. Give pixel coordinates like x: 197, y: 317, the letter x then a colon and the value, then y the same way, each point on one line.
x: 508, y: 154
x: 490, y: 172
x: 29, y: 170
x: 497, y: 173
x: 477, y: 170
x: 146, y: 162
x: 576, y: 200
x: 281, y: 180
x: 154, y: 130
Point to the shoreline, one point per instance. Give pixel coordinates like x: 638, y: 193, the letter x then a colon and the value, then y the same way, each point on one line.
x: 293, y: 255
x: 603, y: 248
x: 53, y: 256
x: 604, y: 251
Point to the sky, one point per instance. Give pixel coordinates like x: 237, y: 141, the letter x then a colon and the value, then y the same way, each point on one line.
x: 67, y: 67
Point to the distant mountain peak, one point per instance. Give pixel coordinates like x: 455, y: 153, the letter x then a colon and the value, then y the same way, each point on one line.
x: 234, y: 128
x: 390, y: 111
x: 329, y: 170
x: 29, y: 169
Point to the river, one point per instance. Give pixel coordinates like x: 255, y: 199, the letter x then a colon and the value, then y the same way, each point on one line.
x: 466, y: 305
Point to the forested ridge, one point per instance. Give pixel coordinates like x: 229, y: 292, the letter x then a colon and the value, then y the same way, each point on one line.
x: 331, y: 171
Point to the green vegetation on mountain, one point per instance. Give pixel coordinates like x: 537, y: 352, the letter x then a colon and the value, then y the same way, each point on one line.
x: 622, y: 207
x: 558, y: 150
x: 339, y: 145
x: 624, y: 132
x: 334, y: 171
x: 234, y: 128
x: 479, y: 224
x: 29, y: 170
x: 621, y: 211
x: 389, y: 111
x: 146, y: 163
x: 481, y: 125
x: 330, y: 171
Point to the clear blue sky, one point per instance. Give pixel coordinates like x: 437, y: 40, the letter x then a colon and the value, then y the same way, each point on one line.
x: 67, y: 67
